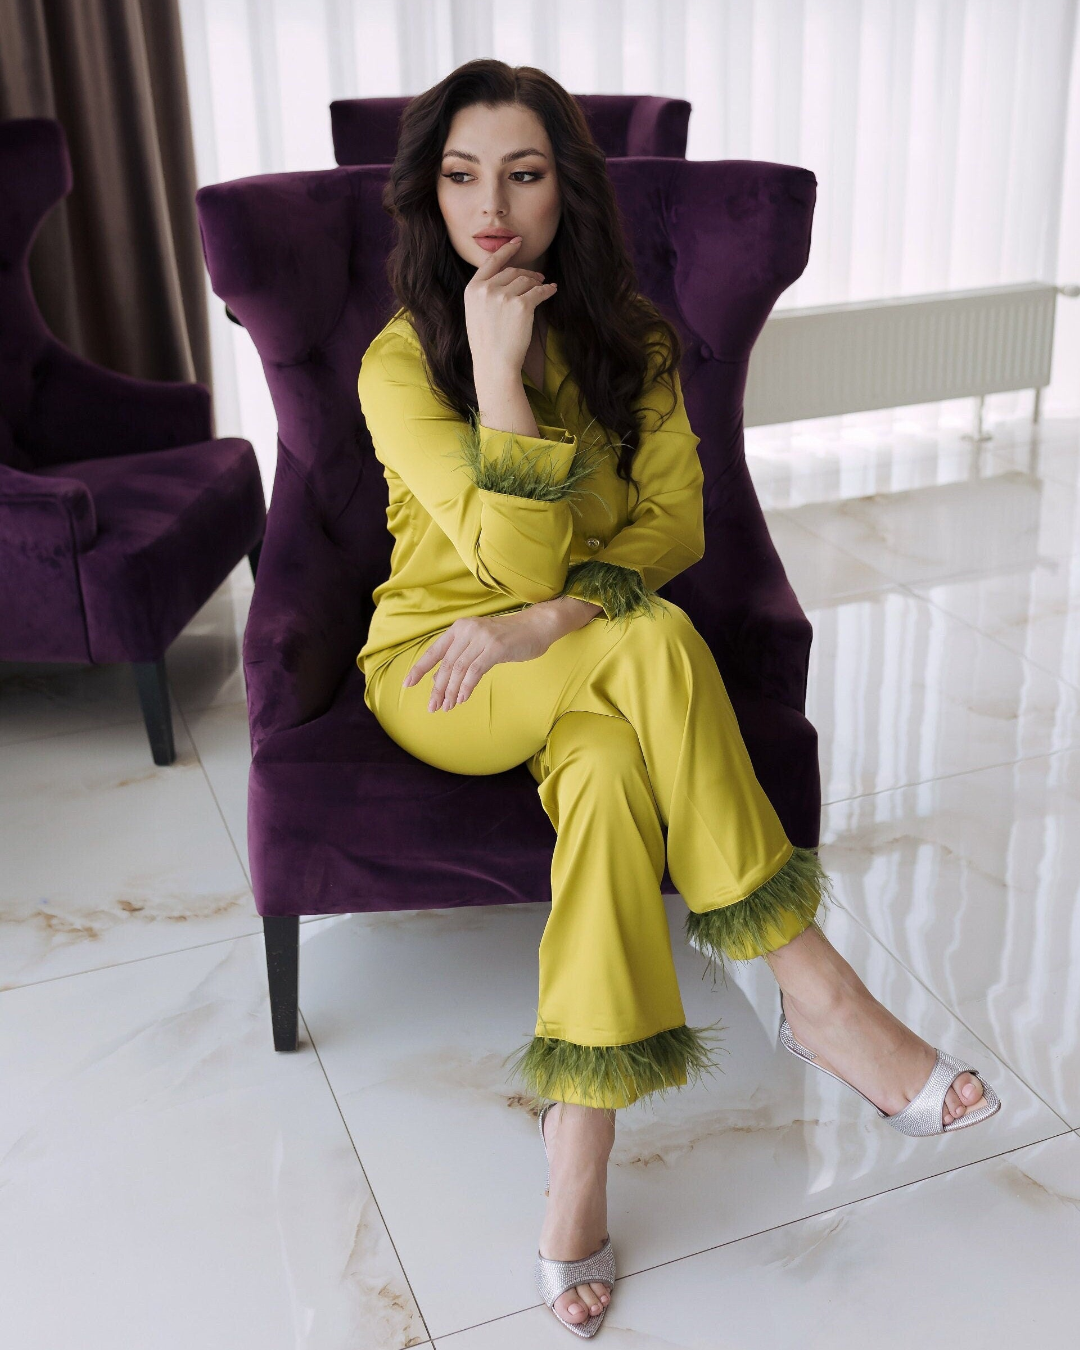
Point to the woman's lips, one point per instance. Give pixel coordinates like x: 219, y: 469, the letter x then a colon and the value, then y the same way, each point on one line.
x: 490, y: 242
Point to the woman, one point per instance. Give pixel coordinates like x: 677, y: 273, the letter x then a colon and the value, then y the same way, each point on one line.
x: 543, y: 483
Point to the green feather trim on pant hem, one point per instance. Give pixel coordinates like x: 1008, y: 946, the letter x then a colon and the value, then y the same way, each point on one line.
x: 521, y: 472
x: 750, y: 927
x: 606, y: 1074
x: 620, y: 590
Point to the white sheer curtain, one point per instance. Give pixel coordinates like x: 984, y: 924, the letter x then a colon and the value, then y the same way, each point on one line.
x: 944, y: 134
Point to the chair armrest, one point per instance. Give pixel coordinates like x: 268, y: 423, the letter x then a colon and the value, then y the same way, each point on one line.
x: 45, y: 524
x: 85, y: 411
x: 64, y: 520
x: 304, y: 626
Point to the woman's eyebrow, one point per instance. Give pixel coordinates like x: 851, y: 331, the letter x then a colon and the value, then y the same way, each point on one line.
x: 474, y: 159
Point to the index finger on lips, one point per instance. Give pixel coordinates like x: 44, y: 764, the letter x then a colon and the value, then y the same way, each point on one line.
x: 494, y: 262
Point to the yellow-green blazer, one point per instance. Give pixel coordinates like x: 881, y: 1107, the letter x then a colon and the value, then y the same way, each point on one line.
x: 487, y: 521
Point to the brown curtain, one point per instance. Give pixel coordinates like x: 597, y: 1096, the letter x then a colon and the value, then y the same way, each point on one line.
x: 117, y: 267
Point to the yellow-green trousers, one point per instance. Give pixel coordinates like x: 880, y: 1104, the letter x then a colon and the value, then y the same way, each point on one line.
x: 627, y: 728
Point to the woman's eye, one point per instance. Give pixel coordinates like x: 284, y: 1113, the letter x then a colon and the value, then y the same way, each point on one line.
x: 460, y: 173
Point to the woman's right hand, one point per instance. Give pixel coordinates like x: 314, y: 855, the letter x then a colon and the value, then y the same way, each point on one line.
x: 499, y: 305
x: 473, y: 644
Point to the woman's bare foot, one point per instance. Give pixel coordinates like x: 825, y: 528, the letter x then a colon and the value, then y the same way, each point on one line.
x: 832, y: 1013
x: 578, y: 1141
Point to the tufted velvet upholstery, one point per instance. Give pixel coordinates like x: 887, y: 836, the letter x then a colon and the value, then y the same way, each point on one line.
x: 340, y: 818
x: 120, y: 515
x: 365, y: 130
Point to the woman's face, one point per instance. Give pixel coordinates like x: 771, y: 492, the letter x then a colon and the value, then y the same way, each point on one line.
x: 498, y: 173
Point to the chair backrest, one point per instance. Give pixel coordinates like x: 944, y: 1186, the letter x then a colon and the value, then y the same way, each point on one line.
x: 365, y: 130
x: 300, y: 258
x: 35, y: 173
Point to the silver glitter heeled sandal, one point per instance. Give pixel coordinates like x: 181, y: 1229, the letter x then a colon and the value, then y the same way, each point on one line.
x: 922, y: 1115
x: 554, y: 1278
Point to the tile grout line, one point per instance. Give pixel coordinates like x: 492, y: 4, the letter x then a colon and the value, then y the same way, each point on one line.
x: 956, y: 773
x: 206, y: 777
x: 790, y: 1223
x: 194, y: 946
x: 1019, y: 656
x: 124, y: 721
x: 135, y: 960
x: 363, y: 1171
x: 860, y: 1200
x: 787, y: 513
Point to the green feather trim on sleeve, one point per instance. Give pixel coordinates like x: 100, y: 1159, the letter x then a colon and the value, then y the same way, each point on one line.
x: 528, y: 471
x: 620, y: 590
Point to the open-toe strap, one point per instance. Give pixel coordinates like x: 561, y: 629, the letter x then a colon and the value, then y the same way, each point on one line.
x: 972, y: 1117
x: 554, y: 1278
x: 923, y: 1114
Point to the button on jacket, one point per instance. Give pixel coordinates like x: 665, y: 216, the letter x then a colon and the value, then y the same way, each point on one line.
x: 486, y: 521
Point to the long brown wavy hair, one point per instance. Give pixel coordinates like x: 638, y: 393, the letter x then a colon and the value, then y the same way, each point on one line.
x: 605, y: 325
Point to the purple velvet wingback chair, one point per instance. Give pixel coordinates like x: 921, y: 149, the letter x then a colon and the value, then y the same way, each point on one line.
x: 365, y: 130
x: 119, y: 514
x: 341, y: 818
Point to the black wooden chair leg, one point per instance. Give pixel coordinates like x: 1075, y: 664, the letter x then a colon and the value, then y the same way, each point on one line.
x: 253, y: 558
x: 153, y: 689
x: 281, y: 933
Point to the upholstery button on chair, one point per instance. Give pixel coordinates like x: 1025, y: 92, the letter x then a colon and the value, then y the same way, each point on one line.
x: 593, y: 543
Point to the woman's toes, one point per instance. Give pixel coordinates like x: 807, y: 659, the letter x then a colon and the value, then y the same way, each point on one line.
x: 589, y: 1298
x: 965, y: 1093
x: 572, y: 1309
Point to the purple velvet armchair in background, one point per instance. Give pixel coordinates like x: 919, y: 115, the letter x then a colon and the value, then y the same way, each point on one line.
x: 119, y: 514
x: 365, y: 130
x: 340, y: 818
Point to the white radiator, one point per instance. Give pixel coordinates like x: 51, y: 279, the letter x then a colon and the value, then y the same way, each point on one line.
x: 829, y: 359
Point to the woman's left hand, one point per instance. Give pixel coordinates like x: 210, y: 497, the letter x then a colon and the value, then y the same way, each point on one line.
x: 471, y: 646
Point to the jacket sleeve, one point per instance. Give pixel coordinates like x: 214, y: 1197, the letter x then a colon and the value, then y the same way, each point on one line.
x: 501, y: 498
x: 666, y: 530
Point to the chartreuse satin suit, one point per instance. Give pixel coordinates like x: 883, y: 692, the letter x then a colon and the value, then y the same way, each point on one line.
x: 624, y: 723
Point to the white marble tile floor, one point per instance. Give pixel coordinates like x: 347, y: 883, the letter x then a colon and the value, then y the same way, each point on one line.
x: 169, y: 1180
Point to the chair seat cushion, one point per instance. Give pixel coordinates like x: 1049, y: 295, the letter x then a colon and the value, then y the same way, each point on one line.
x: 172, y: 524
x: 341, y: 819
